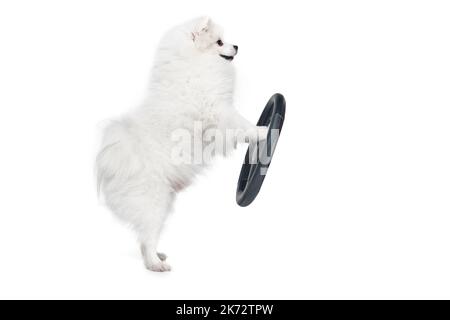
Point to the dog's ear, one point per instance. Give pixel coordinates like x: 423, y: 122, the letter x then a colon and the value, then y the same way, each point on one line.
x: 202, y: 25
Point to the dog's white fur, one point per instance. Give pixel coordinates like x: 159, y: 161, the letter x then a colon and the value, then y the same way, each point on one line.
x: 190, y: 82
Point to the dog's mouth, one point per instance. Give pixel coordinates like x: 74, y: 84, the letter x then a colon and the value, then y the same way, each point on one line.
x: 229, y: 58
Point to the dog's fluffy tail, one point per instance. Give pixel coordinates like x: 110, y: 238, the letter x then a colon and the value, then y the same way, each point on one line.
x: 102, y: 164
x: 116, y: 160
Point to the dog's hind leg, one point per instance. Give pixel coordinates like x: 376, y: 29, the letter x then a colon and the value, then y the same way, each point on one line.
x: 150, y: 229
x: 161, y: 256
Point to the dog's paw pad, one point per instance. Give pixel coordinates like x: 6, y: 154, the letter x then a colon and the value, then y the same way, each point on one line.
x: 162, y: 256
x: 159, y: 267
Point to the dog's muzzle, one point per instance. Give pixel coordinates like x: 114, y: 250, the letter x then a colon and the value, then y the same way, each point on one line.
x: 229, y: 58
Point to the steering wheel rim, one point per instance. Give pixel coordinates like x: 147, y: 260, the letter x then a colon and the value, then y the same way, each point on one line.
x: 252, y: 174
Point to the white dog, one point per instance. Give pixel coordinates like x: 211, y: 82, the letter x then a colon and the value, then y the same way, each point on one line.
x: 192, y: 81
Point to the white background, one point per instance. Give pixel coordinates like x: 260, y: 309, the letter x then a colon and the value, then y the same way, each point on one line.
x: 356, y: 203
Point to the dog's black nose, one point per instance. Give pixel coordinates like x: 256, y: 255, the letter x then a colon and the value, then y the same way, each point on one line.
x: 236, y: 48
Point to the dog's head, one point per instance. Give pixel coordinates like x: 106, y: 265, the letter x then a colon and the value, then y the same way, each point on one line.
x: 207, y: 37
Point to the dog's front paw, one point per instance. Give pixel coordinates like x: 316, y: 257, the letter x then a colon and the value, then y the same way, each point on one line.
x: 160, y: 266
x: 262, y: 133
x: 258, y: 133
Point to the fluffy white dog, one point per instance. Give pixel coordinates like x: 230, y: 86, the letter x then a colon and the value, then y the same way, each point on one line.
x: 192, y: 82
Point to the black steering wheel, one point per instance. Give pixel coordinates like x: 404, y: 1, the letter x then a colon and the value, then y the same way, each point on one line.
x: 259, y: 156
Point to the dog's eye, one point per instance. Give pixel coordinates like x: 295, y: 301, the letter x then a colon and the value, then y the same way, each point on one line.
x: 219, y: 42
